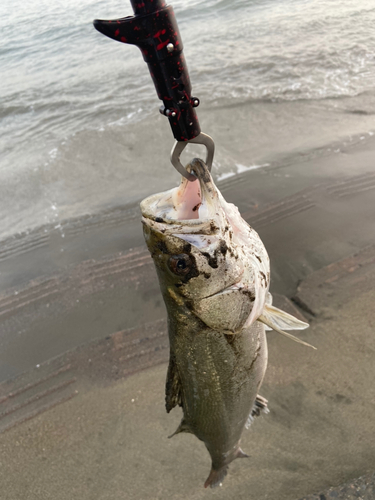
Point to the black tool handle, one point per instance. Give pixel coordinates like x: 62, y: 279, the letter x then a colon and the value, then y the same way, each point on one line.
x: 153, y: 29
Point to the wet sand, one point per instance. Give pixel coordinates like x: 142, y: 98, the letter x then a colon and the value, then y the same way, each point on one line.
x: 91, y: 423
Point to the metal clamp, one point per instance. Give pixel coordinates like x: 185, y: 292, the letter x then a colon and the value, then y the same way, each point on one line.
x: 179, y: 146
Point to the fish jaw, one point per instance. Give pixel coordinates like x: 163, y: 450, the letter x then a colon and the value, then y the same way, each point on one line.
x: 223, y: 246
x: 205, y: 241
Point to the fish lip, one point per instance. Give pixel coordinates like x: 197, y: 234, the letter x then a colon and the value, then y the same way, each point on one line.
x: 152, y: 219
x: 158, y: 227
x: 148, y: 221
x: 178, y: 228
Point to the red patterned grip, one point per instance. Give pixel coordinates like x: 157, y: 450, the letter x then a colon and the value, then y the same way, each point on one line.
x: 154, y: 30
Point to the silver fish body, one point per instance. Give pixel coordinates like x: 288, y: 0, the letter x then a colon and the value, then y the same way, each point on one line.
x: 214, y: 275
x: 217, y: 376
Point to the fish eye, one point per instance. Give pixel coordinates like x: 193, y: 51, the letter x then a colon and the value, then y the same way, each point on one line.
x: 179, y: 264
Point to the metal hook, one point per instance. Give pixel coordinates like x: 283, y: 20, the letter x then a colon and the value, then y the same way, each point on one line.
x: 179, y: 146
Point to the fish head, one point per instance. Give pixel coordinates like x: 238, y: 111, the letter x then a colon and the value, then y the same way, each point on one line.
x: 194, y: 237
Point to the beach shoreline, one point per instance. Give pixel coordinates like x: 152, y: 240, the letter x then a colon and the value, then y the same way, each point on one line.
x: 96, y: 170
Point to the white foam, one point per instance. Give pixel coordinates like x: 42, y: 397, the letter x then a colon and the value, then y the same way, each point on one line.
x: 243, y: 168
x: 225, y: 176
x: 239, y: 170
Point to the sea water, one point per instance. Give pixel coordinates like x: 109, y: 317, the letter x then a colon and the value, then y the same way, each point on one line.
x: 79, y: 122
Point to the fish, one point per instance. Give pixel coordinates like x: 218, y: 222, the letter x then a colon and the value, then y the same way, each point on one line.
x: 214, y: 275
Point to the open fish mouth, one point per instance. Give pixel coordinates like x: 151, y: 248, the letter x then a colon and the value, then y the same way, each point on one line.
x: 193, y: 207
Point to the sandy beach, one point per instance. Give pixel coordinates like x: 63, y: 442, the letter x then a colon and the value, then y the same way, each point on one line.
x: 84, y: 348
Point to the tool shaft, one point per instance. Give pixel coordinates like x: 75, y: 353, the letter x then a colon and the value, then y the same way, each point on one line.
x: 154, y: 30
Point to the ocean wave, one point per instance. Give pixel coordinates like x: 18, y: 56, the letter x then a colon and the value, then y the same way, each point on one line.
x: 61, y: 79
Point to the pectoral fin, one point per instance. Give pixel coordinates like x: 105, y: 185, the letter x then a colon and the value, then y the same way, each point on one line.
x: 277, y: 320
x: 281, y: 319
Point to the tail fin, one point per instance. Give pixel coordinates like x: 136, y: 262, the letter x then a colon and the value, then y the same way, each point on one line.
x: 216, y: 477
